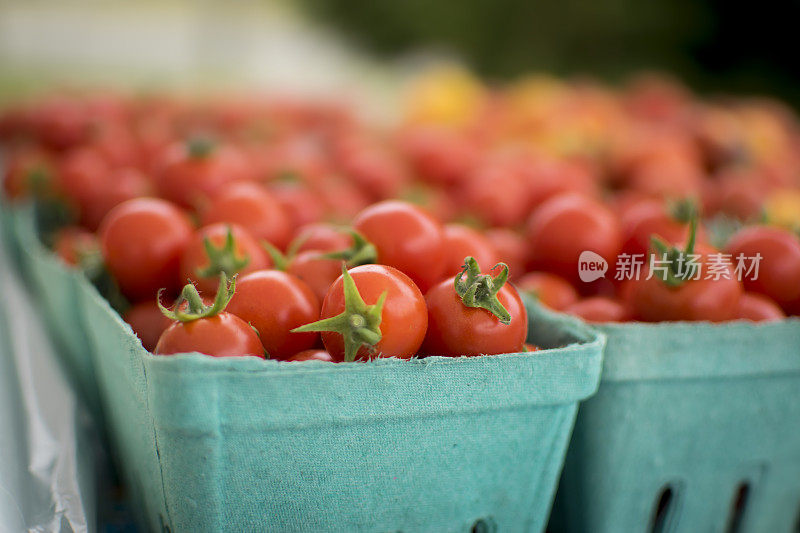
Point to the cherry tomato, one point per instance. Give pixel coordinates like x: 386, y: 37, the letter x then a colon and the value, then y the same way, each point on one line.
x: 653, y: 300
x: 439, y: 155
x: 322, y: 237
x: 28, y: 171
x: 403, y: 317
x: 274, y: 303
x: 551, y: 290
x: 406, y: 238
x: 779, y: 267
x: 646, y: 218
x: 72, y: 243
x: 194, y: 172
x: 147, y: 322
x: 455, y: 329
x: 222, y: 335
x: 242, y: 255
x: 512, y: 248
x: 374, y: 171
x: 317, y: 272
x: 757, y: 307
x: 253, y: 207
x: 142, y: 241
x: 121, y: 184
x: 567, y: 225
x: 599, y: 309
x: 311, y: 355
x: 83, y: 175
x: 301, y: 204
x: 498, y: 193
x: 461, y: 241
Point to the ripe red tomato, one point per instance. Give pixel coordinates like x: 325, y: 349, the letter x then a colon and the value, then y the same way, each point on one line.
x: 439, y: 155
x: 222, y: 335
x: 406, y: 238
x: 28, y: 171
x: 208, y: 328
x: 757, y: 307
x: 241, y: 255
x: 646, y: 218
x: 316, y: 271
x: 311, y: 355
x: 301, y: 204
x: 779, y: 267
x: 461, y: 241
x: 653, y: 300
x: 142, y: 241
x: 386, y: 315
x: 125, y: 183
x: 374, y: 170
x: 498, y: 192
x: 274, y: 303
x: 194, y: 172
x: 598, y: 309
x: 511, y: 247
x: 551, y: 290
x: 454, y: 329
x: 322, y: 237
x: 565, y: 226
x: 61, y: 122
x: 73, y: 243
x: 83, y: 176
x: 253, y: 207
x: 147, y: 322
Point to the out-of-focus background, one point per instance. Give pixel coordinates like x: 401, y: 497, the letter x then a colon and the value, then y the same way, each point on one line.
x: 358, y: 46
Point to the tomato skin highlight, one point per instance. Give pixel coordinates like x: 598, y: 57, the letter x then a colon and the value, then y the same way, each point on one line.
x: 404, y: 318
x: 406, y: 238
x: 142, y: 241
x: 457, y: 330
x: 274, y: 303
x: 195, y: 258
x: 253, y: 207
x: 222, y: 335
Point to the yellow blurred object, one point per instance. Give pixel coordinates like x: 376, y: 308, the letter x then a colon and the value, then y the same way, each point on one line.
x: 448, y: 96
x: 782, y: 208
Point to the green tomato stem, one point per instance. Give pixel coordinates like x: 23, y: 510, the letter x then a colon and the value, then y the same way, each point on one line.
x: 480, y: 290
x: 222, y: 258
x: 362, y: 251
x: 359, y: 323
x: 196, y: 308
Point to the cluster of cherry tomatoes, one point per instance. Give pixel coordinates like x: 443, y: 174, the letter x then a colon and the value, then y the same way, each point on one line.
x: 303, y: 232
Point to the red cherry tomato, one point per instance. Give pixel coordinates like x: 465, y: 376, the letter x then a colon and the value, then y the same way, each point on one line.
x: 598, y: 309
x: 455, y: 329
x: 301, y: 204
x: 122, y: 184
x: 311, y: 355
x: 406, y: 238
x: 195, y: 172
x: 374, y: 171
x: 222, y: 335
x: 72, y: 243
x: 404, y: 318
x: 142, y: 241
x: 28, y: 171
x: 84, y: 178
x: 147, y: 322
x: 322, y: 237
x: 646, y: 218
x: 567, y: 225
x: 245, y: 257
x: 253, y: 207
x: 653, y: 300
x: 317, y: 272
x: 779, y: 267
x: 551, y: 290
x: 512, y: 248
x: 757, y: 307
x: 461, y: 241
x: 439, y: 155
x: 498, y: 193
x: 274, y: 303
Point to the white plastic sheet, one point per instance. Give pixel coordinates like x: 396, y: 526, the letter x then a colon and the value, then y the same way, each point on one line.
x: 47, y: 443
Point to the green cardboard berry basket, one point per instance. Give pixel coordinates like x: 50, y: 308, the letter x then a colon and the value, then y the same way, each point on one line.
x: 244, y: 444
x: 695, y: 427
